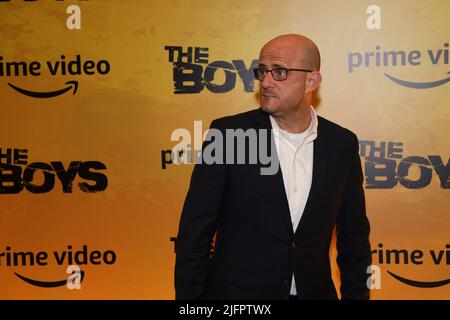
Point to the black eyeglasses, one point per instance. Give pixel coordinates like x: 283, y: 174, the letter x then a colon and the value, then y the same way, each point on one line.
x: 278, y: 74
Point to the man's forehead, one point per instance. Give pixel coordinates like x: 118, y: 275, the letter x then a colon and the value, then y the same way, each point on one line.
x: 280, y: 56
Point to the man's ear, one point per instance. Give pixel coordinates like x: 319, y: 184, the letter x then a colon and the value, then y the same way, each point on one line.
x: 313, y: 80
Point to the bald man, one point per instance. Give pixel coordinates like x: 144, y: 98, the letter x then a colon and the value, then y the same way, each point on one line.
x: 273, y: 231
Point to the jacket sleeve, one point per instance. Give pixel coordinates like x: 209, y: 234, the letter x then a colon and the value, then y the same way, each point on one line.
x: 198, y: 224
x: 354, y: 255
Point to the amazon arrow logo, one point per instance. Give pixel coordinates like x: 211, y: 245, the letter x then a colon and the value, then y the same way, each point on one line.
x: 419, y: 85
x: 420, y: 284
x: 77, y: 276
x: 51, y: 94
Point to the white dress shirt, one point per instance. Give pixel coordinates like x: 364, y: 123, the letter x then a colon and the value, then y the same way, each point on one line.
x: 295, y: 152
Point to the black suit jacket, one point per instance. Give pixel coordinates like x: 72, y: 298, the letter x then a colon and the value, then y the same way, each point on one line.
x: 256, y: 250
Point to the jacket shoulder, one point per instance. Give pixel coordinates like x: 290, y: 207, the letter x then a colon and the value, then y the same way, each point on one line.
x: 335, y: 131
x: 243, y: 119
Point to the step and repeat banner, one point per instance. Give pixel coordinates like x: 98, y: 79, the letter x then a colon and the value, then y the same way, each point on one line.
x: 91, y: 92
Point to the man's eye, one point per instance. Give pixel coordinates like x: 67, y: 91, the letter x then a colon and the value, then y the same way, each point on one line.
x: 279, y: 72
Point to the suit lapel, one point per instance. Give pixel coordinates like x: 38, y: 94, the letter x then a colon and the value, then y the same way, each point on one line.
x: 272, y: 186
x: 319, y: 174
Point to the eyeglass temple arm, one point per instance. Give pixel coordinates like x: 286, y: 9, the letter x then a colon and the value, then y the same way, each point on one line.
x: 304, y: 70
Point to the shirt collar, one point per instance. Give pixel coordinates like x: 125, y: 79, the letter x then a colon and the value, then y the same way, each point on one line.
x: 311, y: 132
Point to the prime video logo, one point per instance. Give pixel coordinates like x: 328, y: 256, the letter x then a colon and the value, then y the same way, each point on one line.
x: 381, y: 58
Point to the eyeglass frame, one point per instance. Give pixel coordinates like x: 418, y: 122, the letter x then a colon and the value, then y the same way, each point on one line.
x: 255, y: 72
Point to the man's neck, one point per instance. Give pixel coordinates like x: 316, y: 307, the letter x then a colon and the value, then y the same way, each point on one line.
x: 295, y: 122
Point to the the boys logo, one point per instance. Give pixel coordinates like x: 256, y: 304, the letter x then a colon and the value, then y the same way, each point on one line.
x: 192, y: 71
x: 385, y: 167
x: 40, y: 177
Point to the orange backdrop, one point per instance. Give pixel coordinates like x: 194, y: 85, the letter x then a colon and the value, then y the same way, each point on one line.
x: 385, y: 76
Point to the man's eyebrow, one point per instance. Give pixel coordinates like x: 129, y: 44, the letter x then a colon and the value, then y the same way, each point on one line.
x: 275, y: 65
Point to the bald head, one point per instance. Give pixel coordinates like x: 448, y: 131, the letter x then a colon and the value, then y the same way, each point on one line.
x: 303, y: 48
